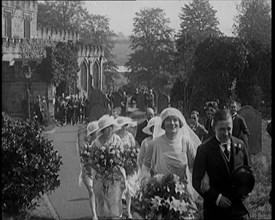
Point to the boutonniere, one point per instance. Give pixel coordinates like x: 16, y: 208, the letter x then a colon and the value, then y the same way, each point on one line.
x: 238, y: 146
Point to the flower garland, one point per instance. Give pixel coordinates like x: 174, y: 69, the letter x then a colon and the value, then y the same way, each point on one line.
x: 166, y: 197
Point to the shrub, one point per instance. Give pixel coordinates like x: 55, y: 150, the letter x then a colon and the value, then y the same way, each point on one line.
x: 30, y: 166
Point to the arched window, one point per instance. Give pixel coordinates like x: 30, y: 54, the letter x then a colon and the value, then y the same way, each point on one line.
x: 83, y: 76
x: 96, y: 76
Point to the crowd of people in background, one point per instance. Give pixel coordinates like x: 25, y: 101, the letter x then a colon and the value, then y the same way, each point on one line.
x: 71, y: 109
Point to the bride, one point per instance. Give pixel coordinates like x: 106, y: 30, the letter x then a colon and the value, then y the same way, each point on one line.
x: 172, y: 150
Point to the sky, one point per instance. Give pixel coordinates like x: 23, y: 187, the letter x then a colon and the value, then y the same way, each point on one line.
x: 121, y: 13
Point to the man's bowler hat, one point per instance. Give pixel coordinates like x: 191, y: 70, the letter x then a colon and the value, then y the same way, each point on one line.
x: 242, y: 180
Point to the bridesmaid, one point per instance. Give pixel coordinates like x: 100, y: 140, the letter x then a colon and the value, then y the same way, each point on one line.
x: 87, y: 172
x: 129, y: 141
x: 108, y: 204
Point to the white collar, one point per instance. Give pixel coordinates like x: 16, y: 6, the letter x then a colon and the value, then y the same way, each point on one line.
x: 228, y: 142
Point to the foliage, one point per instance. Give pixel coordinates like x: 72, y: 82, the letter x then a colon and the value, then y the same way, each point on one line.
x: 30, y: 165
x: 198, y: 22
x: 253, y: 24
x: 61, y: 14
x: 64, y: 67
x: 257, y: 203
x: 254, y: 85
x: 253, y: 21
x: 151, y: 41
x: 35, y: 48
x: 93, y: 29
x: 213, y: 74
x: 166, y: 197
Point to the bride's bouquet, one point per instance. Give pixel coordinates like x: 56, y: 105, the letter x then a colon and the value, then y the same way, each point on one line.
x: 130, y: 155
x: 108, y: 162
x: 166, y: 197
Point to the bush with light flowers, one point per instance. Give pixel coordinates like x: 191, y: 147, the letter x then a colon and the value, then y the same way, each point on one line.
x: 108, y: 161
x: 166, y: 197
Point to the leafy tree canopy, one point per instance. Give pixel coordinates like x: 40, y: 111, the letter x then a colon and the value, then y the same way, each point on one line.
x: 198, y: 21
x: 213, y: 74
x: 151, y: 61
x: 64, y: 67
x: 253, y: 21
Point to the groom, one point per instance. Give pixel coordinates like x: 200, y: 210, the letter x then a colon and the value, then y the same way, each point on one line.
x: 219, y: 156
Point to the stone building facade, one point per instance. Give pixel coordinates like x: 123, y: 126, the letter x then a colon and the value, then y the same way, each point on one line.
x: 19, y: 25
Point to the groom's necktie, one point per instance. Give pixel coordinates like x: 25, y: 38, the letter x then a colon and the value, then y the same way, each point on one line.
x: 226, y: 151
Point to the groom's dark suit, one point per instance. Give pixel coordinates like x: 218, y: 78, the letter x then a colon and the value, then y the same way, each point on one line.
x: 211, y: 159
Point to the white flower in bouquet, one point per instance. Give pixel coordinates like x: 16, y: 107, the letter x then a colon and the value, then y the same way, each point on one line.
x: 180, y: 187
x: 182, y: 207
x: 176, y: 178
x: 174, y: 204
x: 159, y: 177
x: 156, y: 202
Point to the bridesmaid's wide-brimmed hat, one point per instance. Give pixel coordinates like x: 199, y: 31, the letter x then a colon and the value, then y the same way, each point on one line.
x: 167, y: 112
x: 106, y: 121
x: 92, y: 127
x: 152, y: 122
x: 126, y: 121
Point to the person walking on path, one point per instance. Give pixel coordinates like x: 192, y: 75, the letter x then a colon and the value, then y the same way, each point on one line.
x: 128, y: 141
x: 198, y: 128
x: 149, y: 129
x: 140, y: 135
x: 108, y: 193
x: 173, y: 150
x: 87, y: 173
x: 240, y: 129
x: 218, y: 157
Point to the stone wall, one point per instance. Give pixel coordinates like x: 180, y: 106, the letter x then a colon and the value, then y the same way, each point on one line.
x: 20, y: 11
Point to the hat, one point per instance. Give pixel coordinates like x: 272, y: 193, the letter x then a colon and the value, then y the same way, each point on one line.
x: 92, y: 127
x: 171, y: 112
x: 242, y: 180
x: 106, y: 121
x: 195, y: 112
x: 126, y: 121
x: 152, y: 122
x: 212, y: 104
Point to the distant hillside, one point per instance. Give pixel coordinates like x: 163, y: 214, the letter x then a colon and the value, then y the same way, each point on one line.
x: 121, y: 51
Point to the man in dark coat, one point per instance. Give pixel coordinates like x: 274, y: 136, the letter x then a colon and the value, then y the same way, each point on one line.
x: 211, y: 108
x: 240, y: 129
x: 218, y: 157
x: 199, y: 129
x: 140, y: 136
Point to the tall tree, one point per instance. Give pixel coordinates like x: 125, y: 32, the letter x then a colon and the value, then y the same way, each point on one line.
x: 61, y: 14
x: 151, y: 61
x: 253, y: 21
x: 253, y: 25
x: 198, y: 22
x: 96, y: 30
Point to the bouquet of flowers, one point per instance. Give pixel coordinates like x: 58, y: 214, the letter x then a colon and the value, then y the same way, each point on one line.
x: 166, y: 197
x: 130, y: 155
x: 85, y: 156
x: 107, y: 162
